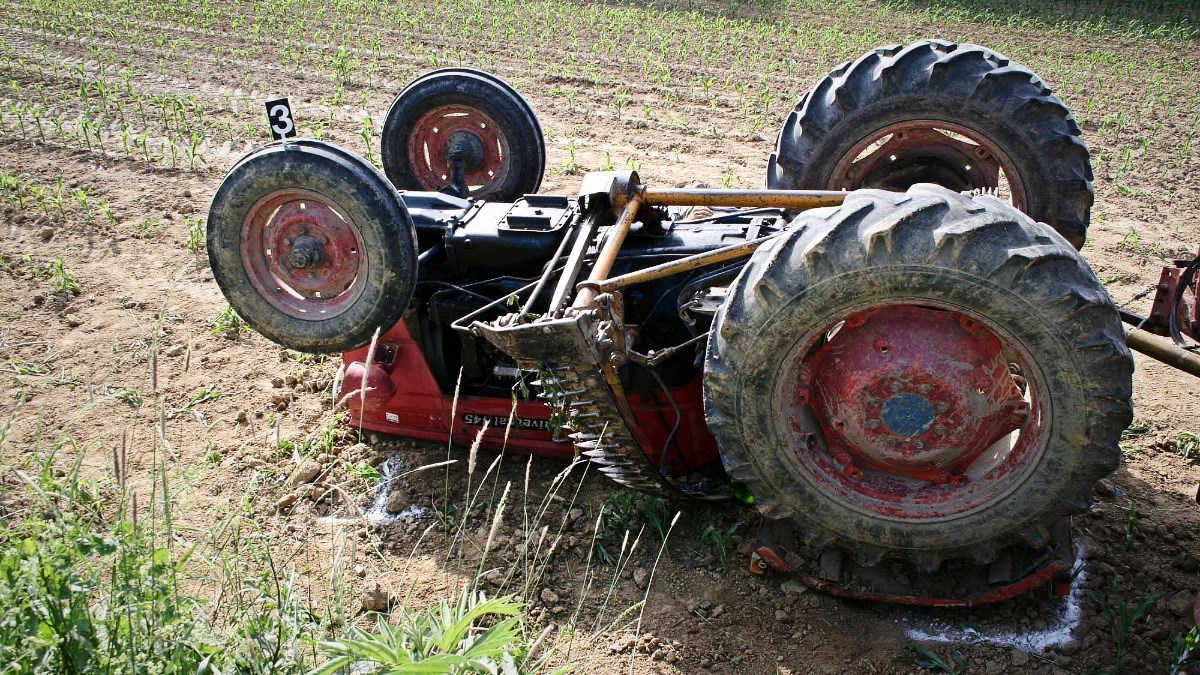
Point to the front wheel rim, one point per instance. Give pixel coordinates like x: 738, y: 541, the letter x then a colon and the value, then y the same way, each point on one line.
x: 303, y: 254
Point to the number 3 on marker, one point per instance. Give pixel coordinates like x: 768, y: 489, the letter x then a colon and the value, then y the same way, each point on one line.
x: 279, y: 116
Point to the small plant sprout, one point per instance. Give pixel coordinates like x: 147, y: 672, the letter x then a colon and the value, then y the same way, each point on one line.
x: 228, y: 324
x: 571, y: 166
x: 195, y: 234
x: 61, y: 278
x: 1187, y: 445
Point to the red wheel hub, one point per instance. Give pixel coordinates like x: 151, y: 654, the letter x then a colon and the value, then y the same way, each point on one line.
x: 464, y: 130
x: 917, y: 408
x: 928, y: 151
x: 303, y: 254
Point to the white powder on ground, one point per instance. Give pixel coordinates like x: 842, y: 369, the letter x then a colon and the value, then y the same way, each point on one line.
x: 1061, y: 619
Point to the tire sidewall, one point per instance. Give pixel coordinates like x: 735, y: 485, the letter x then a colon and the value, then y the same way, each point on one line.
x: 760, y: 373
x: 511, y: 112
x: 388, y: 243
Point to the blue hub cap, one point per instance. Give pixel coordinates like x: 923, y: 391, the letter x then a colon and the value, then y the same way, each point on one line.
x: 908, y: 415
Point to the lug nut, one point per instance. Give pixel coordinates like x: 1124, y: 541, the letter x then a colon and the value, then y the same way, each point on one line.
x: 924, y: 389
x: 873, y: 424
x: 939, y: 430
x: 918, y: 444
x: 896, y: 386
x: 941, y: 406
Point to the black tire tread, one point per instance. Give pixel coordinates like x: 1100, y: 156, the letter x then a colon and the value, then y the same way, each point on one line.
x: 928, y: 226
x: 987, y: 86
x: 353, y: 184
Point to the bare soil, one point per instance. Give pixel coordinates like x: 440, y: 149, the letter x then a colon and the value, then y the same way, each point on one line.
x: 143, y: 322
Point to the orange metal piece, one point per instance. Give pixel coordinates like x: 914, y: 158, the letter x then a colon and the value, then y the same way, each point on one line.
x: 676, y: 266
x: 608, y: 255
x: 782, y: 199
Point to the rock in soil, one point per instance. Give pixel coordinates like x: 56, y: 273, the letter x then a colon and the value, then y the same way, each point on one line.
x: 1180, y: 604
x: 395, y: 502
x: 287, y: 501
x: 622, y: 644
x: 307, y: 472
x: 548, y: 596
x: 376, y: 599
x: 793, y: 587
x: 641, y: 577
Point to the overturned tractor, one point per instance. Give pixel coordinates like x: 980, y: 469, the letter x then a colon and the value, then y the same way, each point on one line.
x: 895, y: 350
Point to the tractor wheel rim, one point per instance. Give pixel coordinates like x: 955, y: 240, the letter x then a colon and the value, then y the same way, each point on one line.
x: 913, y: 412
x: 303, y: 254
x: 431, y: 140
x: 897, y: 156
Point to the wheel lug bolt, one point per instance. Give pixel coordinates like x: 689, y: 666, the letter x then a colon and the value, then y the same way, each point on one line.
x: 918, y: 444
x: 924, y: 389
x: 873, y: 424
x: 287, y: 241
x: 939, y: 430
x: 941, y: 406
x: 896, y: 386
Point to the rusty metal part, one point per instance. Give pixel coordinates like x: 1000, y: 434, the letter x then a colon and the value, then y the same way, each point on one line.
x: 1173, y: 291
x: 909, y: 412
x: 586, y: 398
x: 927, y: 151
x: 548, y: 271
x: 566, y: 280
x: 781, y: 199
x: 1016, y: 570
x: 667, y: 269
x: 303, y: 255
x: 608, y: 254
x: 459, y: 139
x: 1162, y: 350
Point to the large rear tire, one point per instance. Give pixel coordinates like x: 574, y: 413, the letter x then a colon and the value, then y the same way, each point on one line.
x: 961, y: 116
x: 918, y: 376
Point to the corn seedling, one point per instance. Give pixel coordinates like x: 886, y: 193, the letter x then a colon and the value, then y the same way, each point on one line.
x: 195, y: 234
x: 1187, y: 445
x: 924, y: 657
x: 228, y: 324
x: 61, y: 279
x: 1122, y: 618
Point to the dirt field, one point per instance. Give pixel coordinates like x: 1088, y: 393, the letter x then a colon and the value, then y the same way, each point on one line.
x: 119, y: 120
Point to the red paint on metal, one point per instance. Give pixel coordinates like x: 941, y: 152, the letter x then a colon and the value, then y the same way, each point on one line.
x: 929, y: 151
x: 322, y: 287
x: 1188, y: 313
x: 953, y: 375
x: 420, y: 409
x: 1042, y: 576
x: 427, y: 148
x: 772, y: 557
